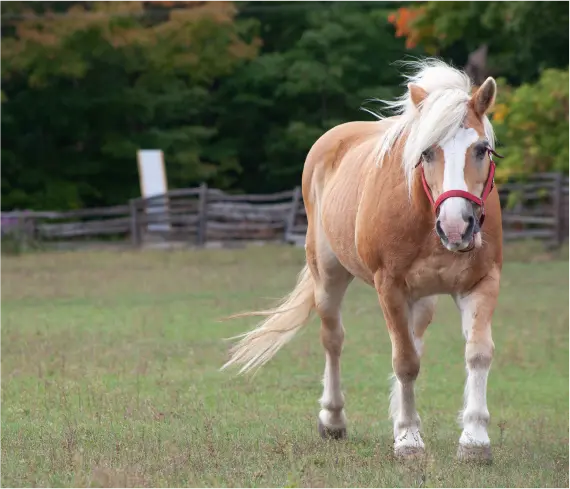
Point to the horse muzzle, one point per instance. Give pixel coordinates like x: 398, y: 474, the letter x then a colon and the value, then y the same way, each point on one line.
x: 458, y: 234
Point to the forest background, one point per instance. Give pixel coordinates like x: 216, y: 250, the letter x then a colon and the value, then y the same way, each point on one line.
x: 235, y: 94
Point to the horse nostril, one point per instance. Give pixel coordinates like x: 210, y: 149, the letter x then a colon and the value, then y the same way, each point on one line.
x: 439, y: 230
x: 470, y: 226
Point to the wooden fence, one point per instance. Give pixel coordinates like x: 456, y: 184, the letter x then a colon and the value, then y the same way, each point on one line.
x: 536, y: 209
x: 199, y: 216
x: 202, y: 215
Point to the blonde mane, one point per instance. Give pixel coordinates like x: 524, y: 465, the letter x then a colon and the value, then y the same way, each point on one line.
x: 442, y: 114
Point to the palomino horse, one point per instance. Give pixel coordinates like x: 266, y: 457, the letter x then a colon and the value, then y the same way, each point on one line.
x: 400, y: 204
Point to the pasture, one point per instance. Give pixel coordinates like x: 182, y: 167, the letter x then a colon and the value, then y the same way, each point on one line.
x: 110, y: 378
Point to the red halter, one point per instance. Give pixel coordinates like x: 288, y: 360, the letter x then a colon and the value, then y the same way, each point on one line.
x: 480, y: 201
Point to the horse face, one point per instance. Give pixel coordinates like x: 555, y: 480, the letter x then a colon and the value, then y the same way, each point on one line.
x: 461, y: 162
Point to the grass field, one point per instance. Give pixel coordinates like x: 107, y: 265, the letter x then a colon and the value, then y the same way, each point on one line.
x: 110, y: 378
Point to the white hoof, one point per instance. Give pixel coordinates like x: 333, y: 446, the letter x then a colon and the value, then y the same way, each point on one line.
x: 475, y: 453
x: 332, y: 425
x: 409, y: 452
x: 409, y: 445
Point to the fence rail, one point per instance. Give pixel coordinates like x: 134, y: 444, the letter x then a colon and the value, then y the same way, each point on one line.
x: 196, y: 216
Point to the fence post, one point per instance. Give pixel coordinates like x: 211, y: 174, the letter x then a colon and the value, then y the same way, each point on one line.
x: 564, y: 209
x: 26, y: 229
x: 133, y: 223
x: 202, y: 215
x: 557, y: 208
x: 290, y: 224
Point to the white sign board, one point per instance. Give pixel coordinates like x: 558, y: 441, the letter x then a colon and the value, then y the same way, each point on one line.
x: 152, y: 177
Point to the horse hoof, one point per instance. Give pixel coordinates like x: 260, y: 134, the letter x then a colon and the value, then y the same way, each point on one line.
x: 475, y: 454
x: 331, y: 433
x: 405, y: 453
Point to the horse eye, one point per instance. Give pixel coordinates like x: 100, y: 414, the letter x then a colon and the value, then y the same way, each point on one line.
x: 481, y: 151
x: 427, y: 155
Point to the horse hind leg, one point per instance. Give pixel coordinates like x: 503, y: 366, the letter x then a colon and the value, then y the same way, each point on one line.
x: 331, y: 282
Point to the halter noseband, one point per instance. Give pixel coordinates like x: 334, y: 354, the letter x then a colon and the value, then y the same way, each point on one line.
x: 480, y: 201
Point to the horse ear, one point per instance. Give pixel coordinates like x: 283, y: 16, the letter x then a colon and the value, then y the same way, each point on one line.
x: 484, y: 98
x: 417, y: 94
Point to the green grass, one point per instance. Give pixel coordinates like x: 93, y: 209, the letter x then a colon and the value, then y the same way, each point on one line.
x: 110, y: 378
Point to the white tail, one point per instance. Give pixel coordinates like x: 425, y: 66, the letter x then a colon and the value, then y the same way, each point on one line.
x: 258, y: 346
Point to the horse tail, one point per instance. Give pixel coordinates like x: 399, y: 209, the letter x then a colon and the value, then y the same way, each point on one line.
x: 259, y: 345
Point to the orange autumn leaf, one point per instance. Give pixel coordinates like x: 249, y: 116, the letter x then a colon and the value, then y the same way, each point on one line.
x: 404, y: 22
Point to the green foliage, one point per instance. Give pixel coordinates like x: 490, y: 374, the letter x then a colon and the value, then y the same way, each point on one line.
x: 532, y: 122
x: 337, y: 56
x: 183, y: 84
x: 83, y: 92
x: 235, y: 95
x: 523, y: 37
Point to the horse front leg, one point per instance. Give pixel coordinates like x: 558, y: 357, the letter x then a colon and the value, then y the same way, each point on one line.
x: 406, y: 365
x: 477, y: 307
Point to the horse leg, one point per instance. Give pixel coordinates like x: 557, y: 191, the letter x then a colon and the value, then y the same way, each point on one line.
x: 421, y: 315
x: 399, y: 317
x: 331, y: 281
x: 476, y: 312
x: 406, y: 420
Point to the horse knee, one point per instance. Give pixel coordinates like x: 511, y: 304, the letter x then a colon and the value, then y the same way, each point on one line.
x: 406, y: 367
x: 479, y: 355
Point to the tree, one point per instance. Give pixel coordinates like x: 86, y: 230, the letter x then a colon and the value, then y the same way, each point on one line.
x: 319, y: 64
x: 523, y: 38
x: 88, y: 85
x: 84, y: 90
x: 532, y: 122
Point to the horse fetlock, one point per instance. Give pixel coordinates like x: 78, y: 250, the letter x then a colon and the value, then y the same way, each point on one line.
x: 334, y: 404
x: 479, y: 417
x: 402, y: 425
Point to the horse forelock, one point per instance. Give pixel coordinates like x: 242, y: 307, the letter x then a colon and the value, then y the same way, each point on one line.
x: 442, y: 113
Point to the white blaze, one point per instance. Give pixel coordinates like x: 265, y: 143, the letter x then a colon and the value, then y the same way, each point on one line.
x: 454, y: 151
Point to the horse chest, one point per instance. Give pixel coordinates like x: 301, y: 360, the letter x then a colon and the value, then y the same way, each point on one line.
x: 439, y: 275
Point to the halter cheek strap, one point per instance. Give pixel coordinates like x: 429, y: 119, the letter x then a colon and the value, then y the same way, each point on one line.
x: 480, y: 201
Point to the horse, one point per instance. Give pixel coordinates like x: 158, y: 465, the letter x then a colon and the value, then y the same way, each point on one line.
x: 407, y: 204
